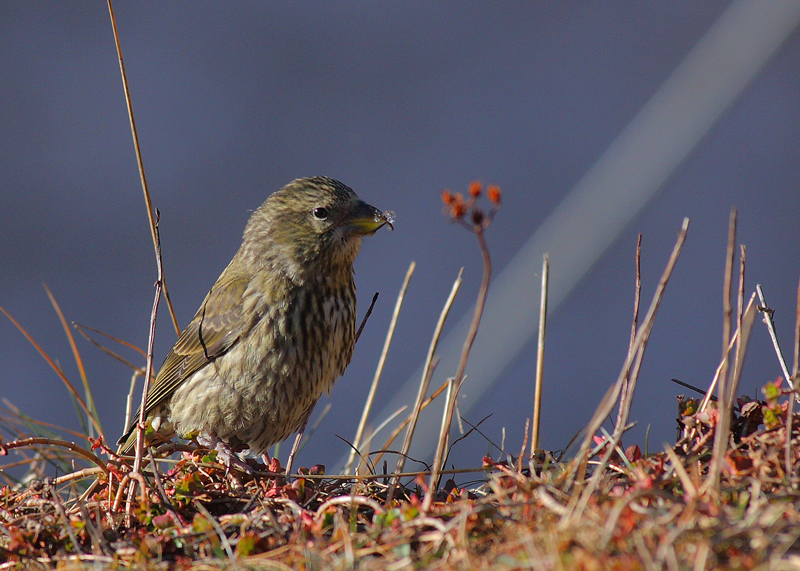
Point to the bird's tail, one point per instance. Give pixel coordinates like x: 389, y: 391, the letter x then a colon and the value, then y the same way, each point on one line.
x: 127, y: 441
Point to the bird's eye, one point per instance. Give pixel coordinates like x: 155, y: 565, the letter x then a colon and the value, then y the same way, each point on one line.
x: 320, y: 213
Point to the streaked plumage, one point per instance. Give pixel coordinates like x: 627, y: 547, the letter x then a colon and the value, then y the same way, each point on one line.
x: 275, y: 331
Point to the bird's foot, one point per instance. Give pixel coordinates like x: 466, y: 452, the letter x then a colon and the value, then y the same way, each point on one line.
x: 225, y: 454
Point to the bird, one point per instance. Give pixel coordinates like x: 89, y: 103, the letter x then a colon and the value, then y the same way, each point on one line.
x: 274, y: 332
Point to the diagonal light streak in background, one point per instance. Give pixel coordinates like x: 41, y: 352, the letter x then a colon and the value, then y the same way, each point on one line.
x: 608, y: 197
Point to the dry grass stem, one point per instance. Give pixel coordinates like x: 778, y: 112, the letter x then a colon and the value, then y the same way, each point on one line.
x: 710, y: 393
x: 604, y: 409
x: 140, y: 163
x: 427, y: 370
x: 796, y: 365
x: 87, y: 391
x: 57, y: 369
x: 396, y: 432
x: 720, y: 437
x: 438, y: 457
x: 637, y: 294
x: 113, y: 354
x: 686, y: 481
x: 379, y: 370
x: 537, y: 395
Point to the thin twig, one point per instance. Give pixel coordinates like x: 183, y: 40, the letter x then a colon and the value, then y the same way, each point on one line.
x: 63, y: 515
x: 740, y: 293
x: 148, y: 202
x: 80, y: 327
x: 396, y: 432
x: 427, y: 370
x: 129, y: 399
x: 741, y: 350
x: 368, y: 440
x: 379, y: 370
x: 13, y: 413
x: 38, y: 441
x: 537, y: 395
x: 351, y: 500
x: 524, y: 446
x: 368, y: 477
x: 767, y: 314
x: 444, y: 426
x: 474, y: 428
x: 160, y: 487
x: 113, y: 354
x: 796, y: 364
x: 739, y: 307
x: 140, y: 429
x: 366, y: 316
x: 691, y: 387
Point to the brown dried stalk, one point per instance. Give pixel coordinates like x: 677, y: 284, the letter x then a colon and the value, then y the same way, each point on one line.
x: 478, y: 223
x: 578, y: 503
x: 140, y: 430
x: 721, y: 436
x: 623, y: 399
x: 148, y: 202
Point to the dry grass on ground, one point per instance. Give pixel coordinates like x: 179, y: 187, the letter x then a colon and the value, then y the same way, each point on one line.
x: 659, y: 512
x: 725, y: 496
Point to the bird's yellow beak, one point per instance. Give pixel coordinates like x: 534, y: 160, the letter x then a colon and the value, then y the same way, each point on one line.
x: 365, y: 219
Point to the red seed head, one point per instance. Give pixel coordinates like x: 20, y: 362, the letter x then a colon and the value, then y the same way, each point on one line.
x: 494, y: 194
x: 457, y: 208
x: 475, y: 189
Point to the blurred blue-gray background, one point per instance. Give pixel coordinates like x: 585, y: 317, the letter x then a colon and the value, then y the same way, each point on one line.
x: 400, y: 100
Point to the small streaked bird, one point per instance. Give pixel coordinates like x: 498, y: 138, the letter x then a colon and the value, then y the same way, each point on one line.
x: 275, y: 331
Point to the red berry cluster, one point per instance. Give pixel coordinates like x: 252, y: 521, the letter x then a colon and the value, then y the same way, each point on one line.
x: 463, y: 209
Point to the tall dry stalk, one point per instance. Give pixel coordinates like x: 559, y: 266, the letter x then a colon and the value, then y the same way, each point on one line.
x: 580, y: 498
x: 140, y: 163
x: 537, y: 395
x: 721, y: 435
x: 623, y: 399
x: 474, y: 219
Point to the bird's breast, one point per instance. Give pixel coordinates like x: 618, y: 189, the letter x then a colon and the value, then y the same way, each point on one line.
x: 312, y: 333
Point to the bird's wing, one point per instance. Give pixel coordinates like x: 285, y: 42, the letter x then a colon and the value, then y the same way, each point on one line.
x: 215, y: 328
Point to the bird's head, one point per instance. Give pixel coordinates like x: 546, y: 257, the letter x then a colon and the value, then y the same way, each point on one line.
x: 314, y: 223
